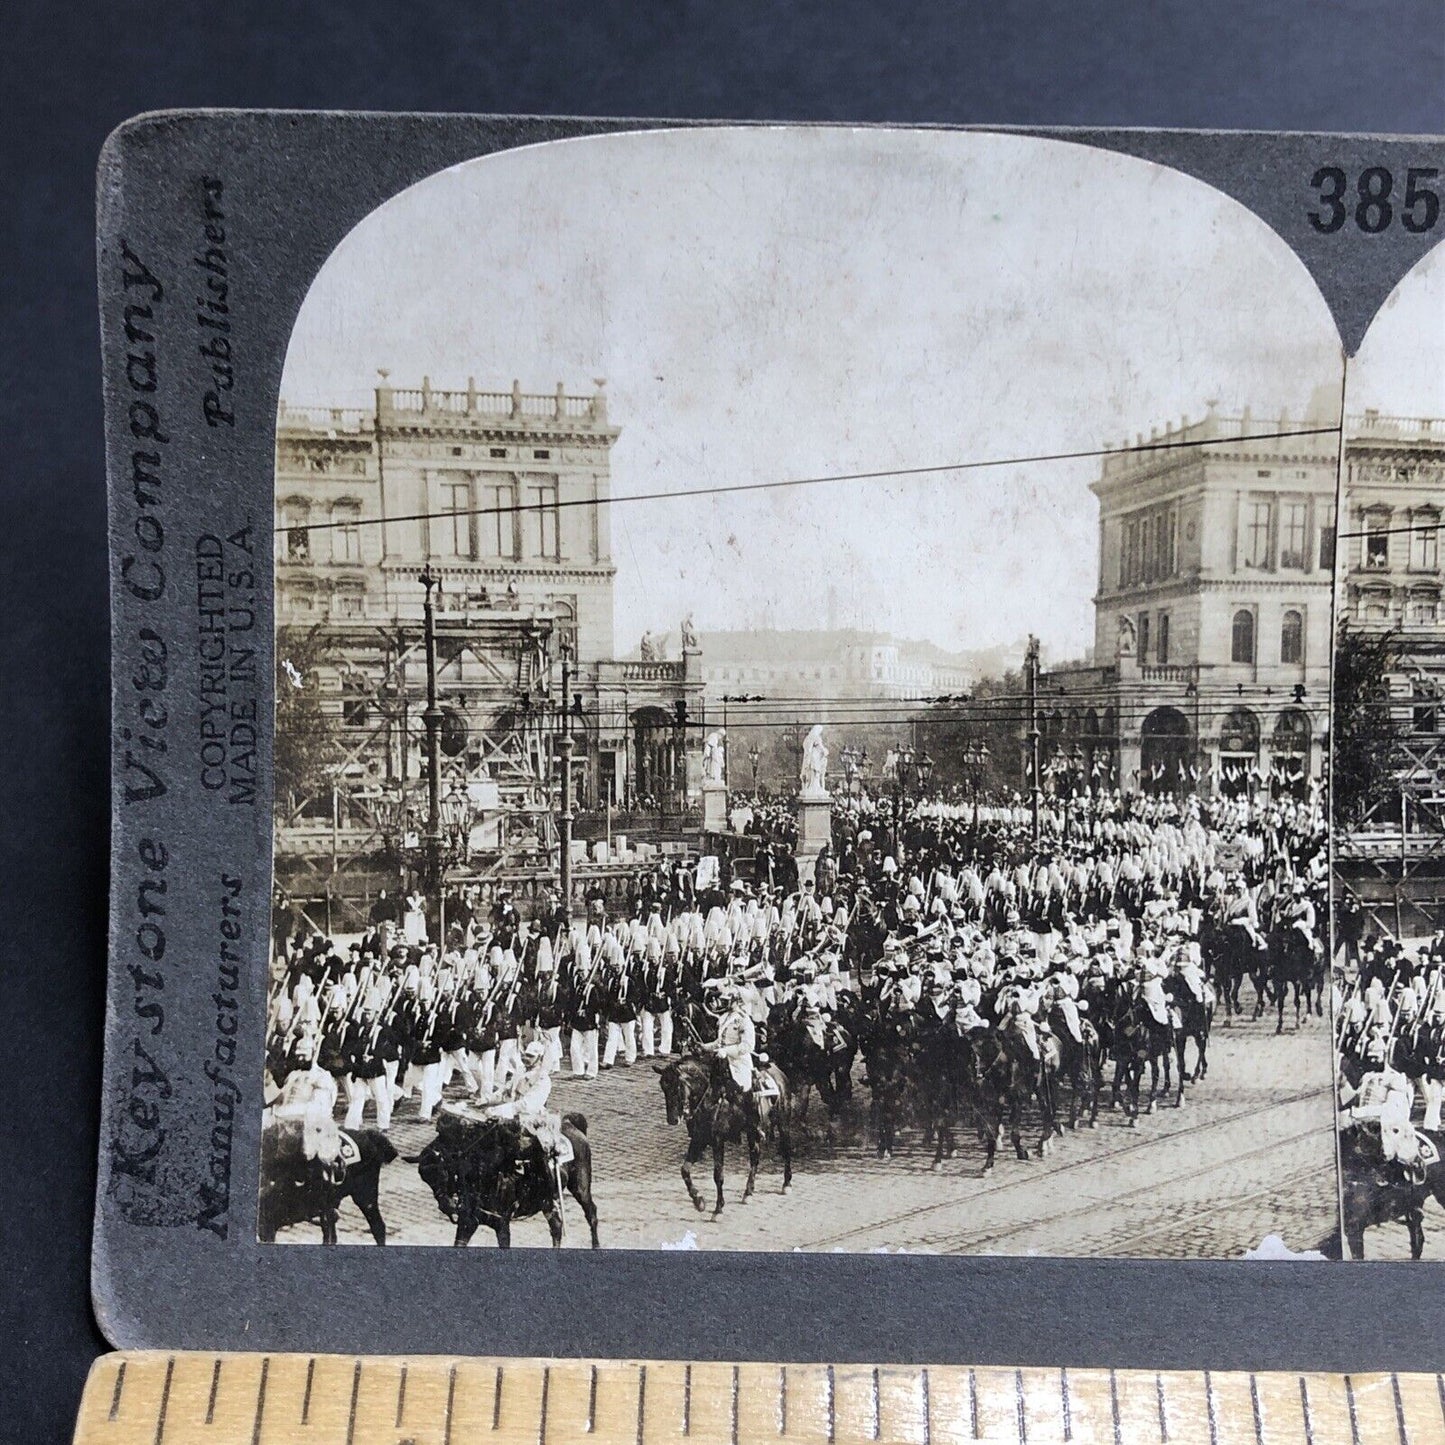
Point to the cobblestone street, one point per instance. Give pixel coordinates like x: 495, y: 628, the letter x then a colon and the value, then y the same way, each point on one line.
x: 1251, y: 1153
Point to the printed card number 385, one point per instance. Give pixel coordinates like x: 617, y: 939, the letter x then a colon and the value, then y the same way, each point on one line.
x: 1372, y: 200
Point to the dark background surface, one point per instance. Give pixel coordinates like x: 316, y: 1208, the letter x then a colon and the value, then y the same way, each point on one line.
x: 70, y: 75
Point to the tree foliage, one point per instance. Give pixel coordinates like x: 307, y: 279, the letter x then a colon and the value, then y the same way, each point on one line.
x: 1364, y: 728
x: 308, y: 739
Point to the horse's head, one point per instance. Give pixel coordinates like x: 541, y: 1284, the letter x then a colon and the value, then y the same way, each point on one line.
x: 683, y: 1081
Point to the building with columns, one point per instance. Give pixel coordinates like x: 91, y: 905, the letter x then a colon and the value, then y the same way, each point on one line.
x: 1212, y: 615
x: 1392, y: 859
x: 502, y: 496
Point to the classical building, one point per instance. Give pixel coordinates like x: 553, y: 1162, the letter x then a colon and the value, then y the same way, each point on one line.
x: 1212, y: 615
x: 502, y: 497
x: 829, y: 664
x: 1393, y: 858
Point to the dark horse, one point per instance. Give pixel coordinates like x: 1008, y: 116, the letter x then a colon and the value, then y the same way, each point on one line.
x: 491, y: 1171
x: 1293, y: 964
x: 1141, y: 1041
x: 715, y: 1117
x: 1378, y: 1193
x: 297, y: 1190
x: 828, y: 1066
x: 974, y: 1072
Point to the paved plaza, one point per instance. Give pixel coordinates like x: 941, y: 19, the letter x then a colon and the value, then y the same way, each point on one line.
x: 1250, y: 1154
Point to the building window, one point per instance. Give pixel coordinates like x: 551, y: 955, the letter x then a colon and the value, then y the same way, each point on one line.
x: 298, y: 544
x: 541, y: 454
x: 1327, y: 541
x: 456, y: 523
x: 1163, y: 643
x: 1427, y: 719
x: 345, y: 533
x: 1241, y: 646
x: 498, y: 452
x: 1143, y: 637
x: 1425, y: 543
x: 355, y: 711
x: 1292, y: 637
x: 1256, y: 535
x: 1294, y: 546
x: 1147, y: 551
x: 1424, y: 609
x: 1377, y: 542
x: 500, y: 522
x: 542, y: 519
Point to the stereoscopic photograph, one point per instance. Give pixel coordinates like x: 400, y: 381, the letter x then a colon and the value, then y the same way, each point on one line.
x: 1389, y: 781
x: 803, y: 673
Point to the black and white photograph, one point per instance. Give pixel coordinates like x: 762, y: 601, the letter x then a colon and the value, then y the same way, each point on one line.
x: 803, y: 675
x: 1389, y: 781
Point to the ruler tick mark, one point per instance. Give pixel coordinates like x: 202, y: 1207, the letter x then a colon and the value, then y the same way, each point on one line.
x: 782, y: 1399
x: 973, y: 1403
x: 451, y: 1401
x: 355, y: 1391
x: 260, y: 1400
x: 642, y: 1404
x: 497, y: 1401
x: 120, y: 1387
x: 1114, y: 1408
x: 1163, y: 1408
x: 832, y: 1407
x: 1399, y: 1410
x: 687, y: 1400
x: 542, y: 1413
x: 1019, y: 1411
x: 1209, y: 1407
x: 1066, y: 1414
x: 306, y: 1398
x: 215, y: 1385
x: 927, y: 1409
x: 1255, y: 1406
x: 1354, y: 1414
x: 592, y: 1403
x: 401, y: 1397
x: 877, y: 1408
x: 1304, y: 1400
x: 165, y: 1400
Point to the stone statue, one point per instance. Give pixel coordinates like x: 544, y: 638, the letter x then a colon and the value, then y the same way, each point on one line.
x: 714, y: 756
x: 648, y: 648
x: 814, y: 776
x: 1127, y: 639
x: 689, y: 634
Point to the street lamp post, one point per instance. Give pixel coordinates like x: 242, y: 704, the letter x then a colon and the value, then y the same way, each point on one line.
x: 564, y: 822
x: 755, y: 756
x: 900, y: 784
x: 975, y: 760
x: 432, y: 719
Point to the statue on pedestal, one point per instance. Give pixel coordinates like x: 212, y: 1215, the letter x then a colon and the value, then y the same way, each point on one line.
x: 689, y: 634
x: 714, y: 757
x: 1127, y: 638
x: 814, y: 776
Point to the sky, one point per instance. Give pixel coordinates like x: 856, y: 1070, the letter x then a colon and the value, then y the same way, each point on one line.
x: 776, y: 303
x: 1400, y: 367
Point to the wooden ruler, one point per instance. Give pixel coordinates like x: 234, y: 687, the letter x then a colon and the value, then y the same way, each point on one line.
x: 152, y: 1398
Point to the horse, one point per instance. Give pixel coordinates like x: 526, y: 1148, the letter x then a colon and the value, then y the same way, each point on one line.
x: 297, y: 1190
x: 715, y: 1118
x: 1080, y: 1063
x: 1196, y: 1015
x: 827, y: 1066
x: 1373, y: 1192
x: 1292, y: 965
x: 1140, y: 1040
x: 492, y: 1171
x: 885, y: 1040
x: 1041, y: 1066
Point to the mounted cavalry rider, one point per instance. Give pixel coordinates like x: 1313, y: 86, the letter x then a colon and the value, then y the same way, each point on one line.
x: 1385, y: 1098
x: 734, y: 1045
x: 309, y: 1097
x: 524, y: 1098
